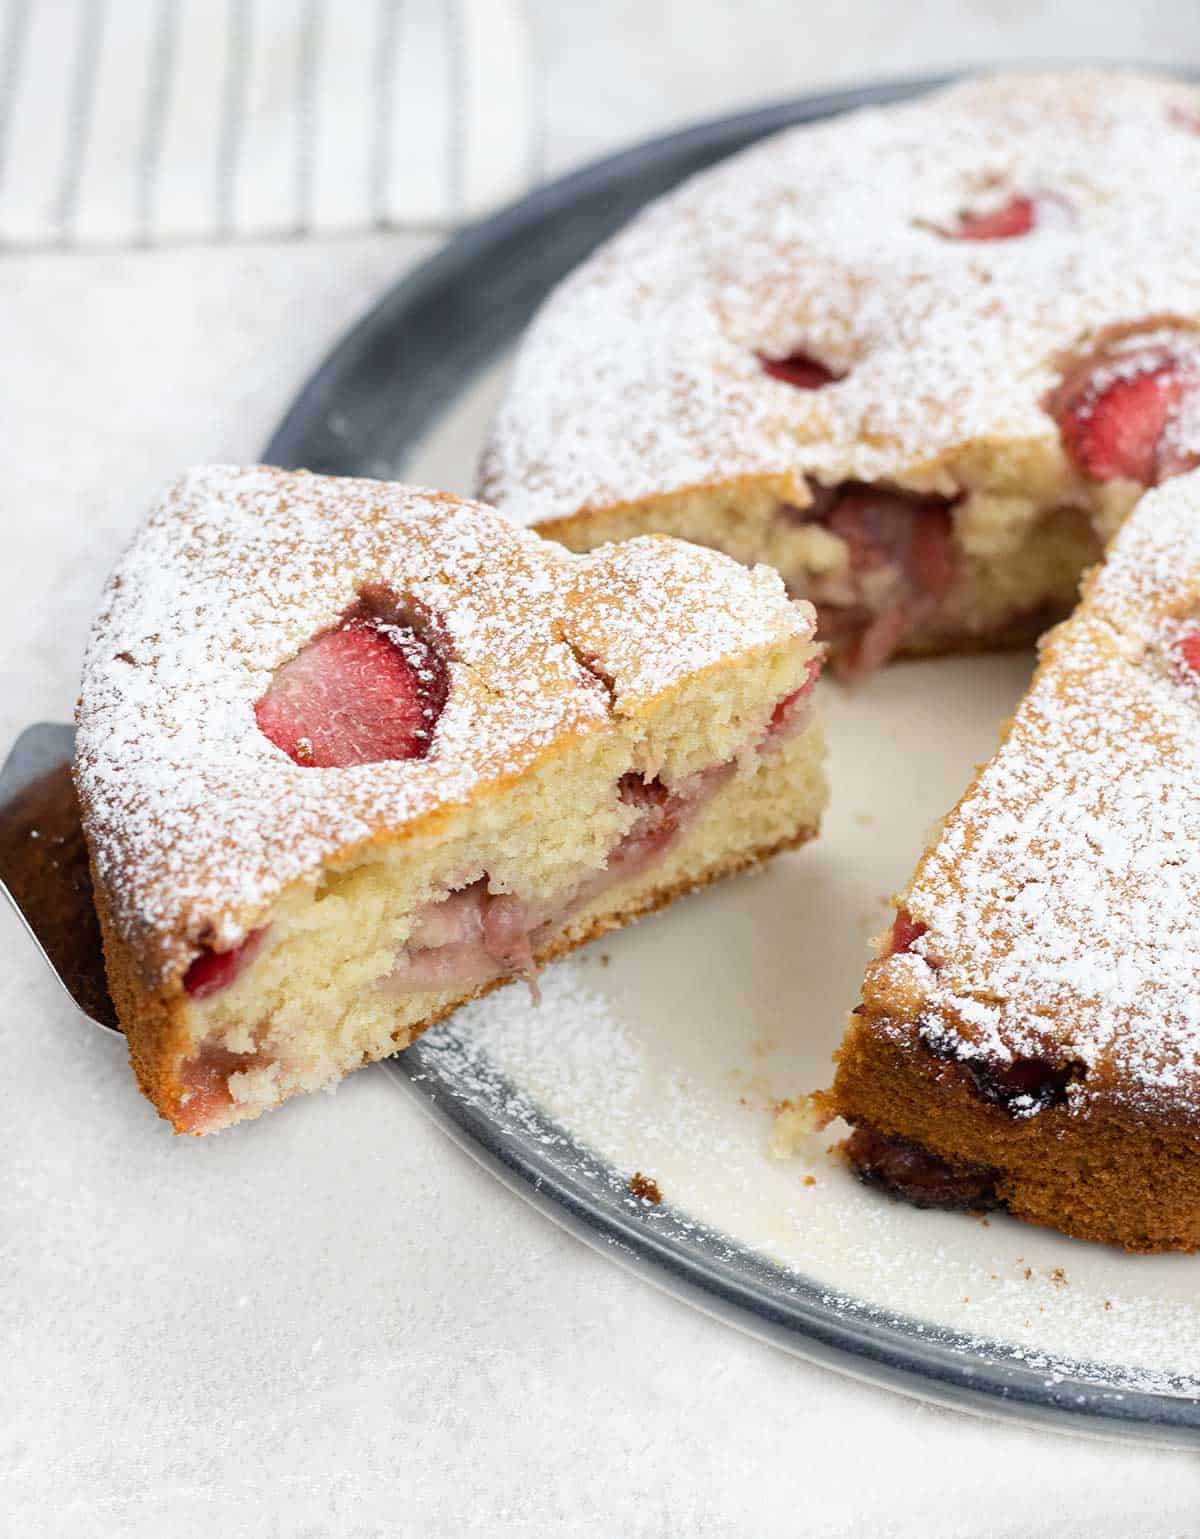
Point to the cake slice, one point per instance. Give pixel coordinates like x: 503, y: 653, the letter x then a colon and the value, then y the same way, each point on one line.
x: 922, y: 360
x: 1029, y: 1034
x: 350, y: 754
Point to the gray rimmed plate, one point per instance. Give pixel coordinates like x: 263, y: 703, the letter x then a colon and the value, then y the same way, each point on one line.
x: 665, y: 1049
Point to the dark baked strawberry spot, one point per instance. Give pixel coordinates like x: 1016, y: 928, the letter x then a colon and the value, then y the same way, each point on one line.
x: 916, y: 1175
x: 1124, y: 413
x: 1026, y: 1084
x: 363, y: 693
x: 800, y: 370
x: 1021, y: 1086
x: 216, y: 970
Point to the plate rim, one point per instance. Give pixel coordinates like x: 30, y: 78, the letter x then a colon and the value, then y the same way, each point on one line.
x: 900, y: 1355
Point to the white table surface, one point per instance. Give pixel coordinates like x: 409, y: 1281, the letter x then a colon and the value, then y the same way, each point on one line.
x: 331, y: 1322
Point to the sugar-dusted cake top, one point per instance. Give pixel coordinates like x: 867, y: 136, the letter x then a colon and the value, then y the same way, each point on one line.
x: 1062, y: 898
x: 198, y: 821
x: 942, y: 257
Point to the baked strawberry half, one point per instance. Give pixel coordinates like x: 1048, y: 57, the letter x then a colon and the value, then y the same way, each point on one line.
x: 1127, y: 412
x: 363, y: 693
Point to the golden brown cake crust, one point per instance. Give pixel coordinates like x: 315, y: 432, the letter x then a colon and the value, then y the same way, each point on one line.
x: 151, y: 1020
x: 1106, y: 1174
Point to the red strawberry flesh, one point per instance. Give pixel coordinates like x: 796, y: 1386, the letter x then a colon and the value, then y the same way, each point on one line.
x: 1188, y: 648
x: 793, y: 710
x: 883, y: 527
x: 905, y: 930
x: 876, y: 644
x: 205, y: 1080
x: 1117, y: 432
x: 902, y: 562
x: 800, y: 370
x: 1016, y: 217
x: 1119, y: 413
x: 931, y: 559
x: 216, y: 970
x: 361, y: 694
x: 658, y: 818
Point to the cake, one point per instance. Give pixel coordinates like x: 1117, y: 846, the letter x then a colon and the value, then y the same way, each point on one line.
x: 350, y: 753
x: 1029, y: 1034
x: 920, y: 359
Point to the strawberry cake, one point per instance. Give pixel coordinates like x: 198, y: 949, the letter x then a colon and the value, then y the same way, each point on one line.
x: 1029, y: 1034
x: 350, y: 754
x: 922, y: 360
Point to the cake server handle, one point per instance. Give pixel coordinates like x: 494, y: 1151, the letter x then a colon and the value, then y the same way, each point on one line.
x: 43, y: 865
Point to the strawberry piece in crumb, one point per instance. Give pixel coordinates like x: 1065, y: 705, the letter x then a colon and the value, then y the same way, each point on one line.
x: 909, y: 537
x: 1188, y: 648
x: 793, y: 711
x: 657, y: 824
x: 1016, y: 217
x: 204, y: 1081
x: 931, y: 559
x: 905, y: 930
x: 800, y: 370
x: 360, y: 694
x: 883, y: 527
x: 216, y: 970
x: 1118, y: 414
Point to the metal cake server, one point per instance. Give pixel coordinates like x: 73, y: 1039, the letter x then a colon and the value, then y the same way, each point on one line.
x: 43, y: 865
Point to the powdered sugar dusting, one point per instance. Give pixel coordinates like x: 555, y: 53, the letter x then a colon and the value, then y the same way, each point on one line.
x: 197, y: 822
x: 576, y: 1050
x: 640, y: 377
x: 1063, y: 896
